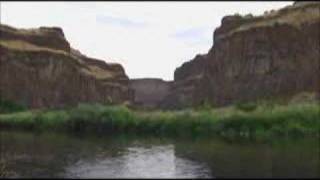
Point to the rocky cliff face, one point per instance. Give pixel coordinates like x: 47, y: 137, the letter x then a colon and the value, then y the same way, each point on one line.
x: 39, y: 69
x: 274, y: 55
x: 148, y: 92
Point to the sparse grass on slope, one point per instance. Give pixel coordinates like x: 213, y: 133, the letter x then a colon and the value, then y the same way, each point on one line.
x: 26, y: 46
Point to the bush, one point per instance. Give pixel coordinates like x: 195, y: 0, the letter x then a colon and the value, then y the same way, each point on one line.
x: 204, y: 106
x: 247, y: 107
x: 291, y: 120
x: 7, y: 106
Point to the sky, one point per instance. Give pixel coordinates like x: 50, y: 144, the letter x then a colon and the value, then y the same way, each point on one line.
x: 149, y: 39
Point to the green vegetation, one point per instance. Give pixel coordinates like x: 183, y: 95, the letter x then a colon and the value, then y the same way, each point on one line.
x: 7, y: 106
x: 249, y: 121
x: 247, y: 107
x: 204, y: 106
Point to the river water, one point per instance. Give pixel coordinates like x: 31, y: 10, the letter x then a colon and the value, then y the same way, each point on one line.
x: 57, y: 155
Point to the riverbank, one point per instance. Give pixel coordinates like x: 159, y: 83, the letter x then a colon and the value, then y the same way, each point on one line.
x: 262, y: 121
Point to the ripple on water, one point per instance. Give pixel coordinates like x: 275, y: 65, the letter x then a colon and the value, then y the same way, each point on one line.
x: 140, y: 162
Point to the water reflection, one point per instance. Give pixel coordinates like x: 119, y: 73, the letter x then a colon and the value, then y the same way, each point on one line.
x: 57, y: 155
x: 137, y: 162
x: 282, y: 158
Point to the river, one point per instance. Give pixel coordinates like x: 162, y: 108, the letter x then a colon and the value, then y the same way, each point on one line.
x: 68, y: 156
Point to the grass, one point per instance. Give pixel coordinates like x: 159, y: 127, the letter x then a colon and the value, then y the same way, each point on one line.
x: 296, y: 16
x: 26, y: 46
x: 7, y: 106
x: 260, y: 122
x: 247, y: 107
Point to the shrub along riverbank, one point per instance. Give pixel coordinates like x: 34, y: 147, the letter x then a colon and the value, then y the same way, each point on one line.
x: 235, y: 121
x: 9, y: 107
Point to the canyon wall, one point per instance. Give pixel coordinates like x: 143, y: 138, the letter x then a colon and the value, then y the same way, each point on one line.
x: 269, y: 56
x: 276, y: 55
x: 149, y: 92
x: 38, y: 68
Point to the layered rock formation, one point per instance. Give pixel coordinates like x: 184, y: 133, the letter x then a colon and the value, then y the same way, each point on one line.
x: 149, y: 92
x: 269, y: 56
x: 38, y: 68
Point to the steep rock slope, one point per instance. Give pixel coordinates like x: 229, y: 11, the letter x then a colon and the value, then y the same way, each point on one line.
x: 38, y: 68
x: 269, y: 56
x: 149, y: 92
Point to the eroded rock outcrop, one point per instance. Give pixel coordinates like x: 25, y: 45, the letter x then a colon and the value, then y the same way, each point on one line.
x: 149, y: 92
x: 274, y: 55
x: 38, y: 68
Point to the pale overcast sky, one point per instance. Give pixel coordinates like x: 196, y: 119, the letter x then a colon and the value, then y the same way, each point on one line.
x: 150, y: 39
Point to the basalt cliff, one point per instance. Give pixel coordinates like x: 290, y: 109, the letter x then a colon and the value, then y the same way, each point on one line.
x: 269, y: 56
x: 149, y: 92
x: 38, y: 68
x: 275, y: 55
